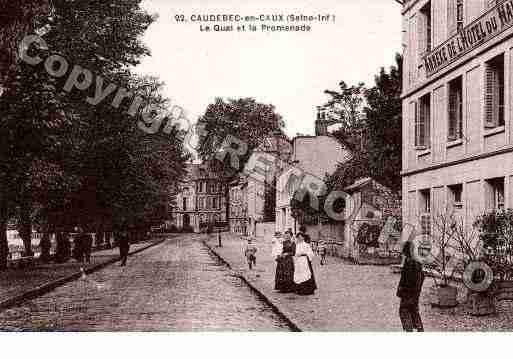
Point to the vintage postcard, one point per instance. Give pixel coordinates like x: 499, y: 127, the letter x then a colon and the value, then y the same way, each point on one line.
x: 269, y: 166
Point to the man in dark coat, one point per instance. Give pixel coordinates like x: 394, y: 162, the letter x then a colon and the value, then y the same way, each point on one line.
x: 83, y: 243
x: 410, y: 286
x: 124, y: 246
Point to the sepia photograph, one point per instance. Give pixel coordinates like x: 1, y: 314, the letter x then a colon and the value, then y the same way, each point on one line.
x: 225, y: 167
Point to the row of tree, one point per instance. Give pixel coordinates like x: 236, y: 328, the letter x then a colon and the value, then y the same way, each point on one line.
x: 63, y: 162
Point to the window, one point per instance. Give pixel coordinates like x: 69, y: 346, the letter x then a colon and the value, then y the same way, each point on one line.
x: 184, y: 203
x: 494, y: 92
x: 455, y: 193
x: 425, y: 28
x: 422, y: 122
x: 214, y: 203
x: 459, y: 15
x: 425, y: 211
x: 425, y: 201
x: 496, y: 195
x: 455, y: 109
x: 455, y: 16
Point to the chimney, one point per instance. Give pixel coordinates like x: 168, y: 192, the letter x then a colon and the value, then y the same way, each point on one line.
x: 321, y: 125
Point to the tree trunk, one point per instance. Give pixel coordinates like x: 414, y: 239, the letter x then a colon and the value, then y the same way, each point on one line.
x: 63, y: 252
x: 45, y: 245
x: 108, y: 238
x: 25, y: 229
x: 4, y: 245
x: 99, y: 235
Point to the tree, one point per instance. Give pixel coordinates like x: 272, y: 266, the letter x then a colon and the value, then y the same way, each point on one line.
x: 372, y: 132
x: 345, y: 106
x: 236, y: 122
x: 384, y: 122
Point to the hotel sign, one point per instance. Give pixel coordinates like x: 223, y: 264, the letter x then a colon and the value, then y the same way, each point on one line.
x: 492, y: 23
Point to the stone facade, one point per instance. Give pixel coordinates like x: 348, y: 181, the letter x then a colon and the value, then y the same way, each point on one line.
x: 457, y: 102
x: 238, y: 207
x: 201, y: 199
x: 261, y: 170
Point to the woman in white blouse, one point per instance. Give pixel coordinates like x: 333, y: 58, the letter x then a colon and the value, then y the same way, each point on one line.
x: 303, y: 273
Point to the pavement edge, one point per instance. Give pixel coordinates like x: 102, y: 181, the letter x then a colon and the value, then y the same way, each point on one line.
x: 281, y: 313
x: 49, y: 286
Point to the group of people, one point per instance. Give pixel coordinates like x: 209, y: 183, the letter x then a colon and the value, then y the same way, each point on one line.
x: 294, y: 255
x: 83, y: 244
x: 294, y: 273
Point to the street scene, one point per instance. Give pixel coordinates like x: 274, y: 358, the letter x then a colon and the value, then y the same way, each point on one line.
x: 179, y: 167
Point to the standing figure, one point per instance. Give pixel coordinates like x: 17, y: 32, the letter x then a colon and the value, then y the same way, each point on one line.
x: 410, y: 286
x: 284, y: 281
x: 83, y: 243
x: 302, y: 232
x: 124, y: 246
x: 87, y: 242
x: 303, y: 273
x: 250, y: 253
x: 322, y: 250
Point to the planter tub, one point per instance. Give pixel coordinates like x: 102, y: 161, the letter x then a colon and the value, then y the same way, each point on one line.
x: 444, y: 297
x: 480, y: 303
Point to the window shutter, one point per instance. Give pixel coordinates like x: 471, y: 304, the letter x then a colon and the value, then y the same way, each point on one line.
x: 425, y: 224
x: 426, y: 121
x: 421, y: 33
x: 418, y: 141
x: 496, y: 92
x: 489, y: 95
x: 451, y: 17
x: 453, y: 115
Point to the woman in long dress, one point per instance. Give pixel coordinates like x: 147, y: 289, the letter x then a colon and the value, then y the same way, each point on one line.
x: 304, y: 278
x: 284, y: 281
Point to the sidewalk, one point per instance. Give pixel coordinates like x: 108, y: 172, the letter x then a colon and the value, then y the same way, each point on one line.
x: 350, y: 297
x: 18, y: 284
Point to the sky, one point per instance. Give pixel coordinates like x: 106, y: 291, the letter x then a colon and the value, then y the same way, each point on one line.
x: 290, y: 70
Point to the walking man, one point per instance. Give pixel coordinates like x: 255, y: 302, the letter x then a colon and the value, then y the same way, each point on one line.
x: 124, y: 246
x: 410, y: 286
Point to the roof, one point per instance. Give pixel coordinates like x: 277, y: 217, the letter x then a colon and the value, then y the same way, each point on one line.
x: 197, y: 171
x: 362, y: 182
x: 277, y: 143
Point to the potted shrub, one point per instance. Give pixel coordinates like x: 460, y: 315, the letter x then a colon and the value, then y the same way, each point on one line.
x: 480, y: 298
x: 441, y: 262
x: 496, y: 235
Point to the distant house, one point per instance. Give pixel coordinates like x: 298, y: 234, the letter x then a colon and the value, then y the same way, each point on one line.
x: 201, y: 199
x: 369, y: 206
x: 312, y: 158
x: 261, y: 172
x: 238, y: 206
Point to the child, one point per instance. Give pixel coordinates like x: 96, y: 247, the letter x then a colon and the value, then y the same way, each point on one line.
x: 249, y: 253
x: 321, y: 249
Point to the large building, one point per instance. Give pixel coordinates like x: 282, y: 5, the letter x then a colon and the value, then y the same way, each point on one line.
x: 201, y: 199
x: 457, y: 109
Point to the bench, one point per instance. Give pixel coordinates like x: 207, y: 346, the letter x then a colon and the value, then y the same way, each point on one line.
x: 21, y: 261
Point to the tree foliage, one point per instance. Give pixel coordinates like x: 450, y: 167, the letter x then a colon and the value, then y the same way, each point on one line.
x: 237, y: 122
x: 371, y: 129
x: 65, y: 162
